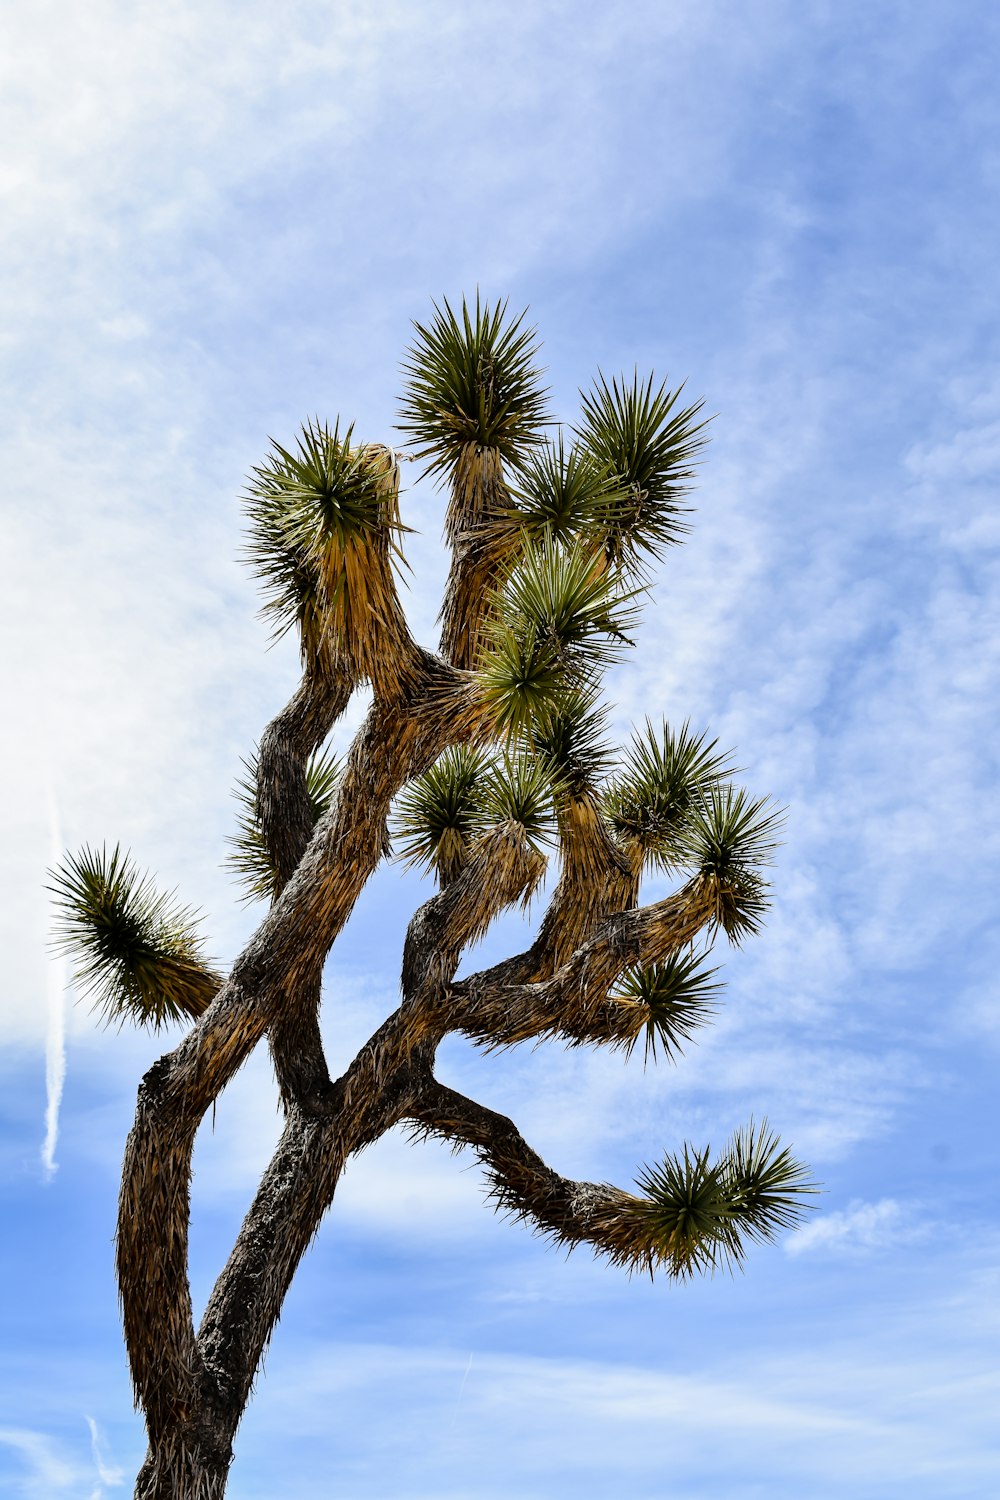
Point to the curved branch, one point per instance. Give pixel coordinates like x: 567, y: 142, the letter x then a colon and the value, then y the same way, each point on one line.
x: 295, y: 1193
x: 693, y: 1215
x: 292, y: 736
x: 287, y: 825
x: 497, y: 1008
x: 520, y: 1182
x: 502, y: 869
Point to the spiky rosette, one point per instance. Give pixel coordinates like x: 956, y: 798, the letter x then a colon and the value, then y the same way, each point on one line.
x: 563, y: 494
x: 666, y: 1003
x: 727, y: 838
x: 766, y: 1182
x: 696, y: 1215
x: 664, y: 776
x: 472, y: 391
x: 324, y: 527
x: 473, y: 404
x: 650, y: 446
x: 571, y: 739
x: 517, y: 790
x: 439, y: 814
x: 250, y: 860
x: 556, y: 621
x: 136, y: 952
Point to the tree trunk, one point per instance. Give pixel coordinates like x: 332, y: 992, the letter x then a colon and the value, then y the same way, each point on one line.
x: 191, y: 1466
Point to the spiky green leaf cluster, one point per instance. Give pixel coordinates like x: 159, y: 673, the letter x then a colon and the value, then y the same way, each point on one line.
x: 727, y: 838
x: 250, y: 860
x: 517, y: 790
x: 571, y: 739
x: 471, y: 380
x: 136, y: 952
x: 641, y: 437
x: 564, y: 494
x: 697, y: 1215
x: 310, y: 508
x: 440, y: 815
x: 676, y: 996
x: 665, y: 775
x: 556, y: 621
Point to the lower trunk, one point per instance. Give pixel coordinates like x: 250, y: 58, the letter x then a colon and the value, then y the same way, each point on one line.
x: 192, y: 1466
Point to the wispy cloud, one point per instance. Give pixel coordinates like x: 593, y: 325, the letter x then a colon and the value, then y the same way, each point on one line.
x: 859, y: 1227
x: 108, y: 1473
x: 837, y: 1421
x: 47, y: 1471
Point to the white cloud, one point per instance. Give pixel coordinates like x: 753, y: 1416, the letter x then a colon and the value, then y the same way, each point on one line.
x: 842, y: 1419
x: 859, y: 1227
x: 47, y: 1471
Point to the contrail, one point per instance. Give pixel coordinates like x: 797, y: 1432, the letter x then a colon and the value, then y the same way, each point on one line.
x: 55, y: 1038
x: 108, y: 1474
x: 461, y: 1392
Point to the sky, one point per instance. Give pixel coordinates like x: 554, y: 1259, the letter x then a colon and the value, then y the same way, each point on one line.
x: 220, y: 220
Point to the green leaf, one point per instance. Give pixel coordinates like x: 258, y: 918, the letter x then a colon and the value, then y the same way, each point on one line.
x: 554, y: 621
x: 678, y: 996
x: 520, y: 679
x: 516, y: 789
x: 564, y: 495
x: 135, y: 951
x: 687, y: 1216
x: 728, y: 836
x: 697, y: 1216
x: 439, y: 814
x: 664, y: 776
x: 577, y: 611
x: 640, y: 436
x: 471, y: 380
x: 766, y: 1184
x: 319, y: 514
x: 570, y: 737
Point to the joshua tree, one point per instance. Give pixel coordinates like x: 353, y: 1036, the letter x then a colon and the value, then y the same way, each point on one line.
x: 472, y: 763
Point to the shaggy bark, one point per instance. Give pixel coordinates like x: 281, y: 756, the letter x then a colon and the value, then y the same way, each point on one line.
x: 274, y: 987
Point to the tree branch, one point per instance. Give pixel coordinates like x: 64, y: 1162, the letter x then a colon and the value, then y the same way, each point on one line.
x: 520, y: 1182
x: 273, y: 981
x: 502, y: 869
x: 292, y: 736
x: 295, y: 1193
x: 498, y: 1008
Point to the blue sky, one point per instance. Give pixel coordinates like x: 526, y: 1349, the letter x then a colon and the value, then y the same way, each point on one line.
x: 219, y: 220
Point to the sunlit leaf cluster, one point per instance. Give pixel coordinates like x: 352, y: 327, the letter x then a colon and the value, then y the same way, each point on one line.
x: 137, y: 954
x: 697, y: 1215
x: 471, y: 381
x: 649, y: 445
x: 440, y: 816
x: 557, y: 622
x: 728, y: 837
x: 563, y: 493
x: 671, y: 1001
x: 323, y: 527
x: 664, y: 776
